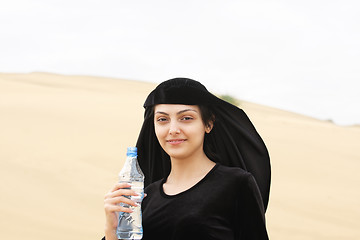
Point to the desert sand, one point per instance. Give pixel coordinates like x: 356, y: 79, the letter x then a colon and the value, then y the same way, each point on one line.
x: 63, y: 142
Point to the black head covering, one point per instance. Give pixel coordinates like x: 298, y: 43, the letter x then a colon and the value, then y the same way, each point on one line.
x: 233, y: 139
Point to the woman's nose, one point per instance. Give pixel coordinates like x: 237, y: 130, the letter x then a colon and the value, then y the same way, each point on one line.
x: 174, y: 129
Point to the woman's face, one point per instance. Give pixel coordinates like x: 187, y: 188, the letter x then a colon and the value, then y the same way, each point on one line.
x: 179, y: 129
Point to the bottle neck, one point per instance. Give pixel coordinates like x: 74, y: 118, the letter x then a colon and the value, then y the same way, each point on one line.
x: 131, y: 162
x: 131, y: 170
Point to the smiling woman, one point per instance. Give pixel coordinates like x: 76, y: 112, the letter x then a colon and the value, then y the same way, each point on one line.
x: 207, y: 170
x: 180, y: 130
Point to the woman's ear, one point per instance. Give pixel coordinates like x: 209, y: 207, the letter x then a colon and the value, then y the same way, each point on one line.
x: 209, y: 126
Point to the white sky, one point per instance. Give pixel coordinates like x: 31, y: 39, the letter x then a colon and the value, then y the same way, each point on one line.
x: 302, y: 56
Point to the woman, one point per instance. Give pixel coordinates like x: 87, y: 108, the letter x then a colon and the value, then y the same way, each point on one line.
x: 207, y: 170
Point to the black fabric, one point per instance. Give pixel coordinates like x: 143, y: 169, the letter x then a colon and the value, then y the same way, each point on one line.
x: 225, y: 204
x: 233, y: 139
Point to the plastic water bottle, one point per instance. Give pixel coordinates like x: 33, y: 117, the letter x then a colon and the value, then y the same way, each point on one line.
x: 130, y: 224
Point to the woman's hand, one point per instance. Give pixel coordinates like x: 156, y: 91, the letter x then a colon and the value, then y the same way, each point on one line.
x: 112, y: 207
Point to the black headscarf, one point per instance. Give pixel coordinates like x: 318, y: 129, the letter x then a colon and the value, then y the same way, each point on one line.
x: 233, y: 139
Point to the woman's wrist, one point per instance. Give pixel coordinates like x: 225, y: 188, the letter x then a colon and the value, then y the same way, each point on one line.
x: 110, y: 234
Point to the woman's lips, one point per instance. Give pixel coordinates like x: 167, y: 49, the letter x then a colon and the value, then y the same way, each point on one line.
x: 175, y: 141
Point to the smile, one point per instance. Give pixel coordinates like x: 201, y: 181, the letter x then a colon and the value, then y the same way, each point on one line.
x: 175, y: 141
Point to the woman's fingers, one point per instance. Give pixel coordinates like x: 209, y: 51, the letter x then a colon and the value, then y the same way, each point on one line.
x: 120, y: 199
x: 121, y: 192
x: 117, y: 208
x: 120, y: 185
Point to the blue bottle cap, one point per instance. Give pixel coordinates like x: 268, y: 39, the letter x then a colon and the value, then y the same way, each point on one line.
x: 131, y: 152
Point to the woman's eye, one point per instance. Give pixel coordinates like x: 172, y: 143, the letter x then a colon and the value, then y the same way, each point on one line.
x: 187, y: 118
x: 161, y: 119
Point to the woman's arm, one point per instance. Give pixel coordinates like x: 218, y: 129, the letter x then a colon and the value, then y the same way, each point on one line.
x: 251, y: 212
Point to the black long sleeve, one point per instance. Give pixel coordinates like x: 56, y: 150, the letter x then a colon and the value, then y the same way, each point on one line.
x: 225, y: 205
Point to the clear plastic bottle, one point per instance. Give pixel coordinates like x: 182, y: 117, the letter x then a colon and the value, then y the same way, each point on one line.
x: 130, y: 224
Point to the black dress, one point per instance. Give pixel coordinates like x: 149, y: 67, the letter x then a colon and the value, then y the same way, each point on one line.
x: 225, y: 205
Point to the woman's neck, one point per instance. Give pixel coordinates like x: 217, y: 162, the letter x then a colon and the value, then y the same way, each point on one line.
x: 189, y: 169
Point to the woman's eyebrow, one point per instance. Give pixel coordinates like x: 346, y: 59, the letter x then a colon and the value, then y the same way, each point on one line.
x: 163, y: 113
x: 178, y: 113
x: 186, y: 110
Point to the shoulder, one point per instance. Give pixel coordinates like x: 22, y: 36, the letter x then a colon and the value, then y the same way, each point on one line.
x: 153, y: 193
x: 230, y: 178
x: 236, y: 177
x: 244, y: 184
x: 234, y: 173
x: 153, y: 186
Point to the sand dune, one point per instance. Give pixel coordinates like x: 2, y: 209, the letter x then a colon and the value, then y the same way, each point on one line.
x: 63, y: 141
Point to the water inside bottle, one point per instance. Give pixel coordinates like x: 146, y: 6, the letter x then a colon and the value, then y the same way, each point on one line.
x: 130, y: 224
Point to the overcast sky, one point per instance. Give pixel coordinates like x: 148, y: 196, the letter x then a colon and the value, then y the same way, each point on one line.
x: 302, y: 56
